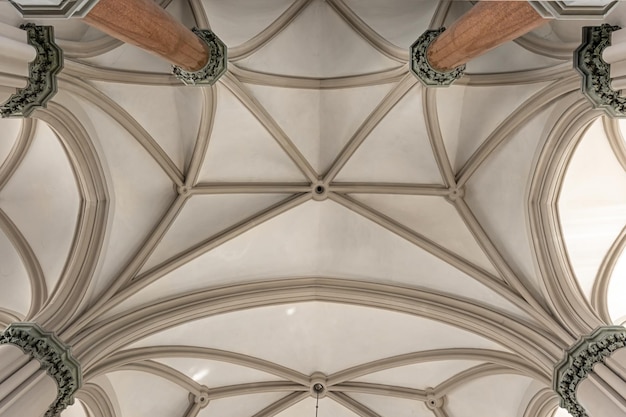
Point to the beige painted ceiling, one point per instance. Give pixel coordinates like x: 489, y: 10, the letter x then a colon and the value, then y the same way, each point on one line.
x: 174, y: 235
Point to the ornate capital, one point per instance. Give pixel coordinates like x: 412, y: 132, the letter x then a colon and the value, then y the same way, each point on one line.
x: 54, y: 356
x: 215, y: 67
x: 39, y: 9
x: 42, y: 83
x: 573, y: 10
x: 422, y: 69
x: 596, y: 73
x: 579, y: 361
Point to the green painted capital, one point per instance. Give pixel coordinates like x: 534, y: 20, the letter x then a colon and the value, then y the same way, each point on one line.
x: 216, y: 65
x: 596, y: 73
x: 422, y: 69
x: 55, y: 357
x: 42, y: 82
x: 579, y: 361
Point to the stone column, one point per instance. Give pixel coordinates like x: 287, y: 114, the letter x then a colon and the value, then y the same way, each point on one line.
x: 591, y: 378
x: 38, y: 375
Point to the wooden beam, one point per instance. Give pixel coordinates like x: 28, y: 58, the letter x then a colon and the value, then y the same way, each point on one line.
x: 485, y: 26
x: 144, y: 24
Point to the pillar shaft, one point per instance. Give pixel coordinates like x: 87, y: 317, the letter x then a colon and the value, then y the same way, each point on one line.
x: 485, y: 26
x: 38, y: 375
x: 15, y: 55
x: 144, y: 24
x: 15, y: 52
x: 603, y: 392
x: 25, y: 388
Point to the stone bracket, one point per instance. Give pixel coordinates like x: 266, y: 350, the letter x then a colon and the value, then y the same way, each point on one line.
x: 596, y: 74
x: 55, y: 358
x: 422, y: 69
x: 42, y: 82
x: 579, y: 361
x: 215, y: 67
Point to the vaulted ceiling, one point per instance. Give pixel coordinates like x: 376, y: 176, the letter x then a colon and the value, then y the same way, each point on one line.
x: 315, y: 216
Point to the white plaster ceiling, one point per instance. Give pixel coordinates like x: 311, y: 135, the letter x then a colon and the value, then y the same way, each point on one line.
x: 173, y: 236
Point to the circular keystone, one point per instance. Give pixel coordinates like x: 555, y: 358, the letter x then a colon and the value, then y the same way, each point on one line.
x: 183, y: 190
x: 202, y: 399
x: 319, y: 192
x: 433, y: 402
x: 456, y: 193
x: 318, y: 385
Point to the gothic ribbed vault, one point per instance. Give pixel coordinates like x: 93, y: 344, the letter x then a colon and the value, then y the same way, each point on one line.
x: 315, y: 216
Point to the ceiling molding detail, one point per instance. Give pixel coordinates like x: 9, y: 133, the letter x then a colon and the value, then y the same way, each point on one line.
x: 616, y: 139
x: 97, y: 400
x: 372, y: 37
x: 38, y: 9
x: 246, y: 49
x: 557, y: 50
x: 573, y: 10
x: 601, y: 283
x: 132, y: 326
x: 543, y: 404
x: 38, y: 289
x: 561, y: 288
x: 69, y: 294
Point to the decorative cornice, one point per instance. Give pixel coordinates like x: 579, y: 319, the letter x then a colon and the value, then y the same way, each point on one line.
x: 579, y: 361
x: 215, y: 67
x: 64, y: 9
x: 42, y: 83
x: 422, y: 69
x: 569, y: 10
x: 596, y: 73
x: 54, y: 356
